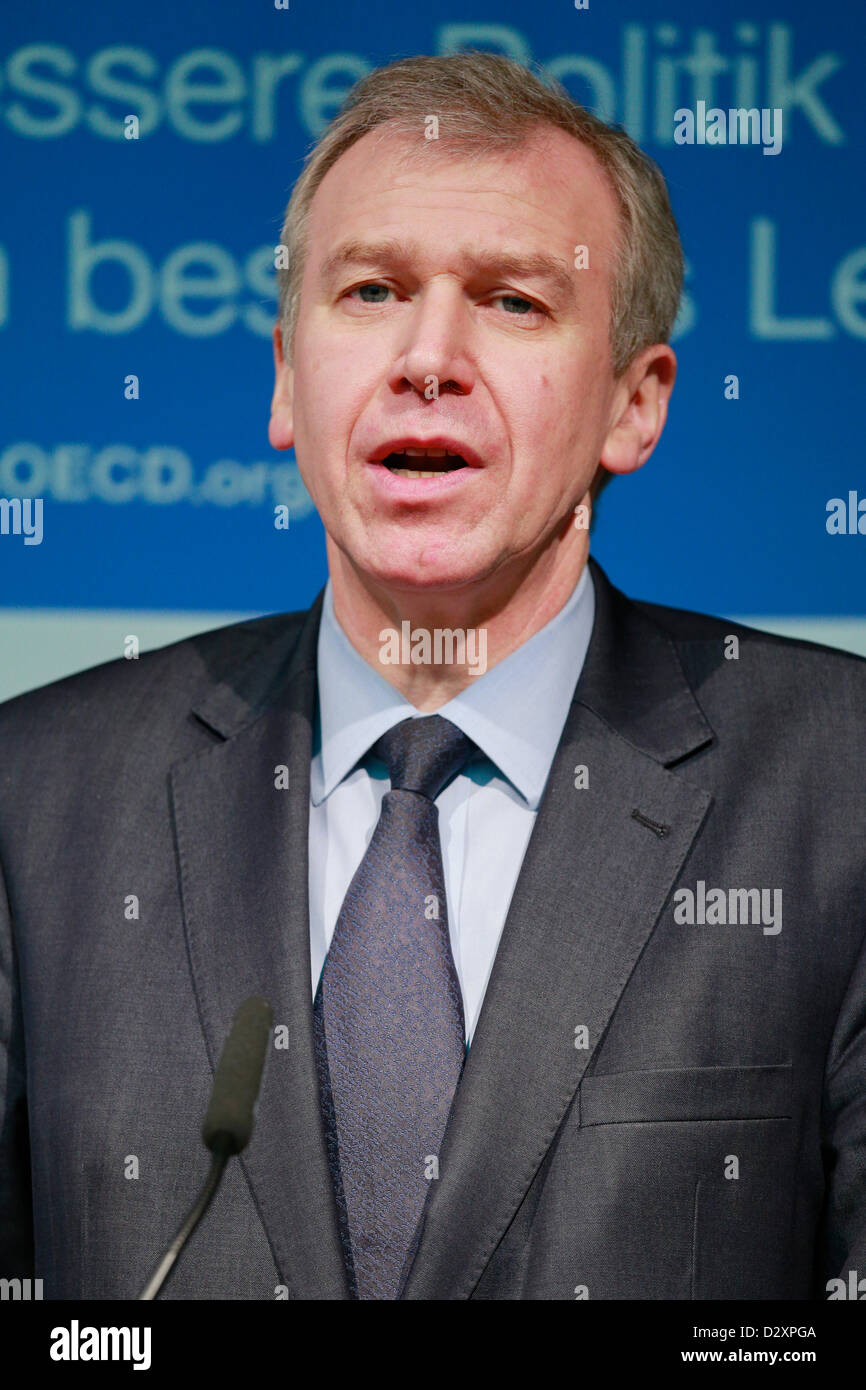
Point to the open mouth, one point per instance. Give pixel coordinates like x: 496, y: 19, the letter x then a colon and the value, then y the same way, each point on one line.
x: 435, y: 461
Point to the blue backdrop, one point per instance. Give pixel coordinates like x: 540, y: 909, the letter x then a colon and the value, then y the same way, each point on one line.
x: 154, y: 257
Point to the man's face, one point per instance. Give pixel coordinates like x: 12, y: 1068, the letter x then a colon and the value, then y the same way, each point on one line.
x: 439, y: 275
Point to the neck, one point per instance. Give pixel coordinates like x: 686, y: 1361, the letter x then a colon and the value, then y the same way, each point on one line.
x: 440, y: 641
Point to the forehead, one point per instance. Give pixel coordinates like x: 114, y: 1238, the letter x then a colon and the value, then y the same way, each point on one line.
x: 547, y: 193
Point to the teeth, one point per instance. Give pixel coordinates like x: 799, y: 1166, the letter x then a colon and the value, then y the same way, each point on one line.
x: 429, y: 453
x: 410, y: 472
x: 435, y: 452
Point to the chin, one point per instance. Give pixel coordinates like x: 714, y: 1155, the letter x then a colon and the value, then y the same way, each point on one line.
x: 412, y: 576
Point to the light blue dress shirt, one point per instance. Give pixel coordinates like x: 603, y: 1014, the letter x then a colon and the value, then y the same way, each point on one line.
x: 514, y: 712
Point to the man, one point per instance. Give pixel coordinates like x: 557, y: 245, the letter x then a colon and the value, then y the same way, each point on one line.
x: 558, y: 897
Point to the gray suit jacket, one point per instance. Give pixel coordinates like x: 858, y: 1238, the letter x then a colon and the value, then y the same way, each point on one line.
x: 651, y: 1107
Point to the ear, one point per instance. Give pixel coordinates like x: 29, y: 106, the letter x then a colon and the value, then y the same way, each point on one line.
x: 639, y: 409
x: 281, y: 427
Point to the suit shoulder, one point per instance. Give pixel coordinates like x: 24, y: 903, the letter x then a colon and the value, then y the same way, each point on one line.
x: 177, y: 671
x: 687, y: 626
x: 785, y: 671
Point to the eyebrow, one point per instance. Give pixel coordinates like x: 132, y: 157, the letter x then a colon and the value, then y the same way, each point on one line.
x: 390, y: 251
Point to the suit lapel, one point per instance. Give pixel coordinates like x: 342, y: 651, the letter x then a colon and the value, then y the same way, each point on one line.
x: 242, y: 853
x: 593, y: 883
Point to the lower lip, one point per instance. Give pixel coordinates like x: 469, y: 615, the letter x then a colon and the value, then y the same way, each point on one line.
x: 395, y: 486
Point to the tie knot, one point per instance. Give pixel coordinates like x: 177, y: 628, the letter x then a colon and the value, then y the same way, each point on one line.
x: 423, y: 754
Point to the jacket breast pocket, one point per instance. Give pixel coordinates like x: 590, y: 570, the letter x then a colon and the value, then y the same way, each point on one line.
x: 678, y: 1183
x: 686, y: 1093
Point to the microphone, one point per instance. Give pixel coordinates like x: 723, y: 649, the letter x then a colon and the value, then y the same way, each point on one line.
x: 228, y: 1123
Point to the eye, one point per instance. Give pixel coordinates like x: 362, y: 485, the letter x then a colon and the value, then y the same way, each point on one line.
x: 379, y: 291
x: 517, y: 305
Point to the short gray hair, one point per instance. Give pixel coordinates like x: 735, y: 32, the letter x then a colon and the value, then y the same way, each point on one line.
x: 488, y: 103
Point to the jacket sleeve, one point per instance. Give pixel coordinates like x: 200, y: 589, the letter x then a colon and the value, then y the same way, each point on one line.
x: 16, y: 1216
x: 844, y: 1139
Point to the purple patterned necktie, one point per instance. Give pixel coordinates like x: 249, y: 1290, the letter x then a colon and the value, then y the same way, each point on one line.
x: 388, y: 1014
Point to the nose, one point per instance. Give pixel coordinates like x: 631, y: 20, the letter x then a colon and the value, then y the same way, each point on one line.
x: 434, y: 353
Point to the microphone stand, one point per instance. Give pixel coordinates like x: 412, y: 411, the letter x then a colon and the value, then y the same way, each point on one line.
x: 222, y: 1149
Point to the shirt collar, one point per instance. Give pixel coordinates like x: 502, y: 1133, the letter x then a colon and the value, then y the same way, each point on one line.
x: 515, y: 712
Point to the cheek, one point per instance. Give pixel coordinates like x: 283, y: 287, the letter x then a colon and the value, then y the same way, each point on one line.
x: 566, y: 404
x: 323, y: 411
x: 337, y: 381
x: 546, y: 413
